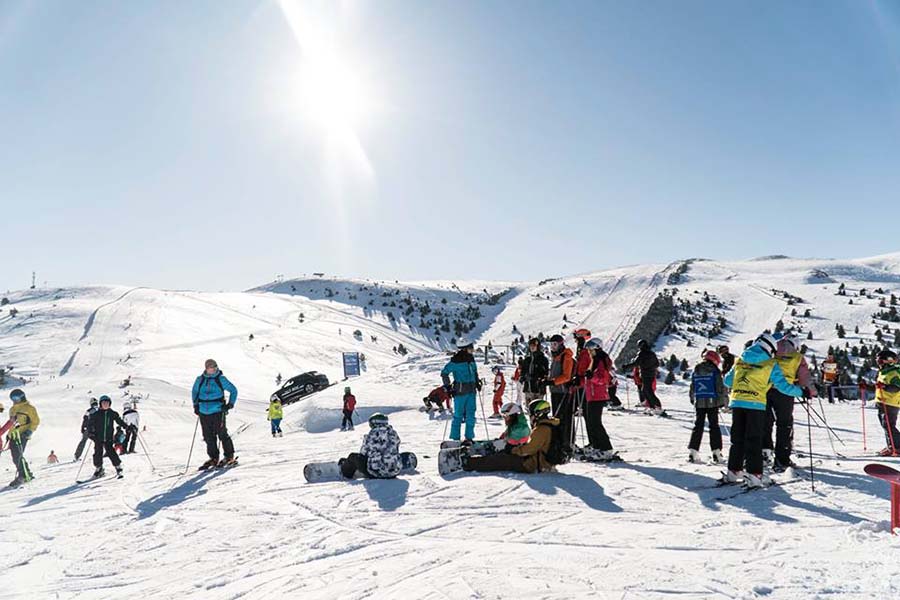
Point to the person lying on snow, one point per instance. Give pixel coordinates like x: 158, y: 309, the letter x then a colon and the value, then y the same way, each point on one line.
x: 379, y: 456
x: 525, y: 458
x: 437, y: 399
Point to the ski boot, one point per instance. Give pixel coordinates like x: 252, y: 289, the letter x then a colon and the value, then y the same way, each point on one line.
x: 98, y: 473
x: 208, y: 465
x: 119, y: 474
x: 886, y: 452
x: 694, y: 456
x: 231, y: 461
x: 718, y: 457
x: 280, y: 434
x: 729, y: 477
x: 753, y: 481
x: 16, y: 482
x: 660, y: 412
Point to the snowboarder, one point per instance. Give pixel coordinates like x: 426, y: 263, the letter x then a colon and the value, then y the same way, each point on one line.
x: 349, y: 407
x: 465, y: 384
x: 133, y: 420
x: 561, y: 391
x: 887, y: 395
x: 754, y: 373
x: 708, y: 394
x: 517, y: 429
x: 534, y: 371
x: 275, y: 414
x: 379, y: 455
x: 437, y: 398
x: 499, y: 389
x: 596, y: 394
x: 52, y: 459
x: 780, y: 408
x: 530, y: 457
x: 23, y: 421
x: 648, y: 364
x: 208, y: 395
x: 85, y: 431
x: 103, y: 435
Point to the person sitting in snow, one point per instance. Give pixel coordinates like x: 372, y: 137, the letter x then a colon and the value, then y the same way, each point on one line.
x: 526, y: 458
x: 379, y: 455
x: 517, y: 430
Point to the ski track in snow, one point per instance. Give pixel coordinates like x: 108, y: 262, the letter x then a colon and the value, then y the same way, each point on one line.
x: 651, y: 527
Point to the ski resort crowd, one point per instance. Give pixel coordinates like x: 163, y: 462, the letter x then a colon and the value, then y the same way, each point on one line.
x: 556, y: 395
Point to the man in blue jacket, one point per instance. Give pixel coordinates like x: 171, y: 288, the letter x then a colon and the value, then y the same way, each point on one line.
x: 465, y: 384
x: 210, y: 406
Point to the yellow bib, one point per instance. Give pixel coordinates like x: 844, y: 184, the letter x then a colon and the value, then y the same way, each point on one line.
x: 887, y: 376
x: 789, y: 365
x: 751, y: 381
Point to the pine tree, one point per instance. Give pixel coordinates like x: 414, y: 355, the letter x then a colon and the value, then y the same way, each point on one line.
x: 809, y: 335
x: 840, y: 331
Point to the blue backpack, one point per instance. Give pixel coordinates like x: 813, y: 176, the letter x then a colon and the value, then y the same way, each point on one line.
x: 704, y: 386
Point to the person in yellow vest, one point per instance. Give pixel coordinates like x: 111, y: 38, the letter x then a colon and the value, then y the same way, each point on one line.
x: 887, y: 395
x: 829, y: 376
x: 754, y: 373
x: 780, y: 408
x: 276, y: 413
x: 24, y: 420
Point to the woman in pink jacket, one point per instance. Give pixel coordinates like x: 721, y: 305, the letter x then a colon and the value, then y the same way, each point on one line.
x: 596, y: 394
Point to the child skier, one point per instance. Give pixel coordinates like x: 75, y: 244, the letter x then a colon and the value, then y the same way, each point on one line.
x: 379, y: 455
x: 596, y: 395
x: 708, y: 395
x: 23, y: 421
x: 887, y: 395
x: 133, y: 419
x: 754, y: 373
x: 85, y: 430
x: 499, y: 388
x: 275, y: 414
x: 102, y: 433
x: 349, y: 407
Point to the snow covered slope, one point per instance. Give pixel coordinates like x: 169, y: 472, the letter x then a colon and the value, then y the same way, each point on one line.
x: 648, y: 528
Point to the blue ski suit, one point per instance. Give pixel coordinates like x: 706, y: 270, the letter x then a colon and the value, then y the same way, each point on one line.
x: 465, y: 384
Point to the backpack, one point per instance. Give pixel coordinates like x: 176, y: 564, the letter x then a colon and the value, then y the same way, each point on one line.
x: 705, y: 386
x: 557, y: 453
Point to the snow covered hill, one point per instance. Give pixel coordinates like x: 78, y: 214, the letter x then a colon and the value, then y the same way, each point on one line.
x: 648, y: 528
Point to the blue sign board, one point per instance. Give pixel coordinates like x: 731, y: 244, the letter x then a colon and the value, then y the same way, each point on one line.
x: 351, y: 364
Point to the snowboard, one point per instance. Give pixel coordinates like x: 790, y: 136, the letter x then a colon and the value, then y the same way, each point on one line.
x: 477, y: 448
x: 331, y: 470
x: 450, y: 460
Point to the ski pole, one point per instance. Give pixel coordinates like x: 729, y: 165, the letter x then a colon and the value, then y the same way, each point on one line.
x: 23, y: 464
x: 193, y: 439
x: 487, y: 435
x: 812, y: 474
x: 87, y: 451
x: 862, y: 407
x: 146, y: 453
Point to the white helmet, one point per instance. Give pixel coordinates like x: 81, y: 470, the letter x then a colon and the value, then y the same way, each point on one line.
x: 594, y: 343
x: 126, y: 405
x: 793, y: 340
x: 768, y: 343
x: 510, y: 408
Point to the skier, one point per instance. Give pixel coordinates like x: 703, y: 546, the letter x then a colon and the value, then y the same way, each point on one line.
x: 23, y: 421
x: 612, y: 390
x: 754, y: 373
x: 499, y: 388
x: 727, y: 358
x: 133, y: 420
x: 582, y: 357
x: 780, y: 408
x: 465, y: 384
x: 887, y: 395
x: 561, y: 370
x: 526, y: 458
x: 379, y: 456
x: 648, y: 363
x: 278, y: 380
x: 534, y: 371
x: 708, y: 394
x: 85, y: 431
x: 437, y: 398
x: 208, y: 396
x: 829, y: 376
x: 275, y: 414
x: 102, y: 434
x: 349, y: 407
x: 52, y: 459
x: 517, y: 378
x: 596, y: 393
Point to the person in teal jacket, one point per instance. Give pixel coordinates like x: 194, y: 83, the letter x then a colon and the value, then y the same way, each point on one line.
x: 210, y: 406
x: 465, y: 384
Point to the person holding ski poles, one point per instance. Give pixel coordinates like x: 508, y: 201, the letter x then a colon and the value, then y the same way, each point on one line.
x: 133, y: 421
x: 104, y: 436
x: 647, y: 363
x: 533, y: 372
x: 887, y: 396
x: 561, y: 370
x: 465, y: 385
x: 208, y: 396
x: 23, y: 421
x: 780, y: 408
x: 85, y: 430
x: 708, y: 394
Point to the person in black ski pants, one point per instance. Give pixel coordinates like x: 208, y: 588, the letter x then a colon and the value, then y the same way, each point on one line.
x: 647, y: 362
x: 208, y: 396
x: 534, y: 371
x: 85, y: 428
x: 103, y: 431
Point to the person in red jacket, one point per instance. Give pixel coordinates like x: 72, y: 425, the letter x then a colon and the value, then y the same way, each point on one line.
x: 349, y: 407
x: 582, y: 356
x: 436, y: 398
x: 596, y: 394
x: 499, y: 388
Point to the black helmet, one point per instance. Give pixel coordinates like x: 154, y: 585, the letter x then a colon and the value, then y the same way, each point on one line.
x: 17, y: 395
x: 557, y: 338
x: 105, y: 398
x: 643, y: 345
x: 886, y: 356
x: 539, y: 408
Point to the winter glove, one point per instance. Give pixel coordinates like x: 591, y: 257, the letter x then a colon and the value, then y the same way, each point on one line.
x: 228, y: 407
x: 806, y: 394
x: 479, y: 383
x: 197, y: 409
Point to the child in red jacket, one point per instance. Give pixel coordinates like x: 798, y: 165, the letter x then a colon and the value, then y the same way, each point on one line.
x: 349, y: 407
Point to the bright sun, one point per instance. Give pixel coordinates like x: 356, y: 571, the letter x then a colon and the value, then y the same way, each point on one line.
x: 331, y: 93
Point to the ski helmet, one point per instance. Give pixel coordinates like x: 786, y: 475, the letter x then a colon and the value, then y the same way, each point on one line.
x: 495, y: 369
x: 584, y: 334
x: 594, y: 344
x: 94, y: 403
x: 17, y: 395
x: 347, y: 390
x: 723, y: 349
x: 768, y: 343
x: 126, y: 406
x: 557, y: 339
x: 539, y: 408
x: 643, y: 345
x: 886, y: 357
x: 793, y: 341
x: 534, y: 342
x: 464, y: 345
x: 105, y: 398
x: 378, y: 420
x: 510, y: 408
x: 713, y: 357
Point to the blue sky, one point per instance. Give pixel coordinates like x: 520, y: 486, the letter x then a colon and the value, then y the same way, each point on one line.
x: 210, y: 145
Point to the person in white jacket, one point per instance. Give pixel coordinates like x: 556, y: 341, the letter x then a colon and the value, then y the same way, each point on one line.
x: 133, y: 421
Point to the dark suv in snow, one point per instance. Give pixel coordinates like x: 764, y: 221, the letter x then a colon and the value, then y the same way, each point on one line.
x: 302, y: 385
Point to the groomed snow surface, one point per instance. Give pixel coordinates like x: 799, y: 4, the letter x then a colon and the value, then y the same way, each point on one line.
x: 651, y: 527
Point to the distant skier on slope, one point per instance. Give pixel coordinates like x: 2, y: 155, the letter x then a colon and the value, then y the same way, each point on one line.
x: 465, y: 384
x: 708, y: 394
x: 23, y: 421
x: 274, y: 414
x: 379, y: 455
x: 102, y: 429
x: 648, y: 363
x: 499, y: 389
x: 348, y: 408
x: 133, y: 421
x: 85, y: 430
x: 754, y: 373
x: 208, y: 395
